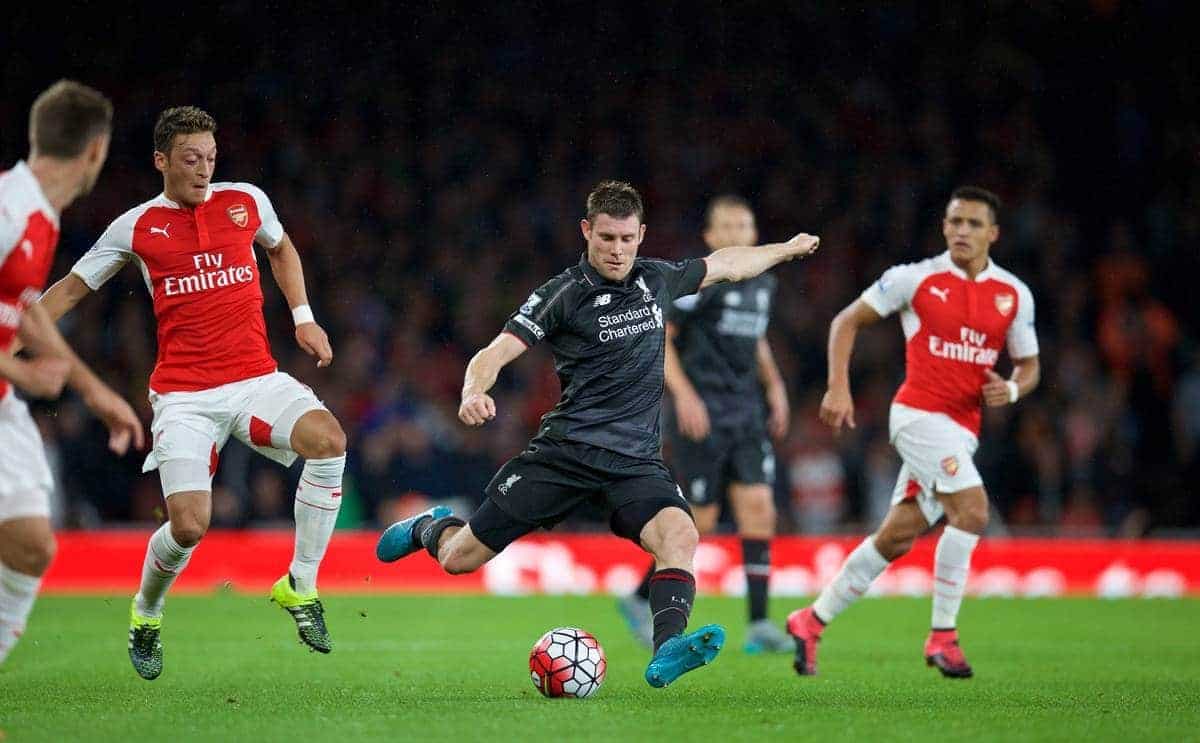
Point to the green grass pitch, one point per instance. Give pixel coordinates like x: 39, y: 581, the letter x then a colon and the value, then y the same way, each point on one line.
x: 454, y: 668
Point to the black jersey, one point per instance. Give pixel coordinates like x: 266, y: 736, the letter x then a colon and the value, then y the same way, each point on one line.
x: 607, y: 338
x: 717, y: 341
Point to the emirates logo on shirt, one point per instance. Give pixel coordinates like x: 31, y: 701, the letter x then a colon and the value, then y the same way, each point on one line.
x: 238, y: 214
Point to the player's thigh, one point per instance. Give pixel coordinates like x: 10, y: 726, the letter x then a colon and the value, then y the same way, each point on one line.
x: 698, y: 467
x: 188, y: 432
x: 489, y: 531
x: 938, y: 458
x: 27, y: 544
x: 25, y: 478
x: 273, y: 407
x: 639, y: 502
x: 536, y: 489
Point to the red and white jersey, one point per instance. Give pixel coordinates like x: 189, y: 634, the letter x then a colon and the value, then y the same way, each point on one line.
x: 201, y: 271
x: 28, y: 237
x: 955, y: 329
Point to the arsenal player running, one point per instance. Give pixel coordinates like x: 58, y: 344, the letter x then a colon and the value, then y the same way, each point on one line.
x: 69, y: 130
x: 957, y: 310
x: 215, y: 376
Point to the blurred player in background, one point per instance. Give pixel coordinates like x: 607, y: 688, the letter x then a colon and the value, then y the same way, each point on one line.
x: 69, y: 130
x: 604, y: 322
x: 215, y: 375
x: 958, y: 311
x: 729, y: 400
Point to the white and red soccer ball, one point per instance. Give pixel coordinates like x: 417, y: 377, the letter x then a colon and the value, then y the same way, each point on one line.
x: 567, y: 662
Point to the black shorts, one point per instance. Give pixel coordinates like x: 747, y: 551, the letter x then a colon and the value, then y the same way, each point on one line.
x: 542, y: 485
x: 707, y: 467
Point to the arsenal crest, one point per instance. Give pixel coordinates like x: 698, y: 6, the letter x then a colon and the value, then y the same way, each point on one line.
x: 950, y: 466
x: 241, y: 218
x: 1004, y: 303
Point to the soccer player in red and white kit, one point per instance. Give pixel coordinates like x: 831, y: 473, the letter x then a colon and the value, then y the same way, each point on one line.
x: 69, y: 130
x: 215, y: 375
x: 958, y: 310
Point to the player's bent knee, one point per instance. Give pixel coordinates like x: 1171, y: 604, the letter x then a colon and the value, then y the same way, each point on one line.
x: 187, y: 531
x: 34, y: 556
x: 330, y: 441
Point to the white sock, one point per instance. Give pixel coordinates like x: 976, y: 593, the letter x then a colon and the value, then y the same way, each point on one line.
x: 318, y: 498
x: 859, y: 570
x: 165, y: 560
x: 17, y: 592
x: 951, y: 563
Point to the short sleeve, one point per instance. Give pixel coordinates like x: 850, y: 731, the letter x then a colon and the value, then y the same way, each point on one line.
x: 683, y: 308
x: 11, y: 232
x: 894, y: 289
x: 1022, y: 336
x: 270, y: 232
x: 684, y: 277
x: 108, y: 255
x: 542, y: 313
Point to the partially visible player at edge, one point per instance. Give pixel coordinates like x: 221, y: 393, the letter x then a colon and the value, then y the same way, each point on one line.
x: 69, y: 130
x: 729, y: 400
x: 958, y: 310
x: 215, y: 375
x: 604, y: 322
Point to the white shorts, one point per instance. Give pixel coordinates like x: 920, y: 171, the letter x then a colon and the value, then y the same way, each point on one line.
x: 191, y: 428
x: 25, y: 479
x: 937, y: 454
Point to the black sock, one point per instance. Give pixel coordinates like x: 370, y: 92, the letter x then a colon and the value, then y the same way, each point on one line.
x: 671, y: 595
x: 643, y: 590
x: 431, y: 533
x: 756, y: 557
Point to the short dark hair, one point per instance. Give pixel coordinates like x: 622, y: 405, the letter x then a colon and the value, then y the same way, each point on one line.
x: 975, y: 193
x: 616, y: 199
x: 180, y: 120
x: 65, y: 117
x: 727, y: 200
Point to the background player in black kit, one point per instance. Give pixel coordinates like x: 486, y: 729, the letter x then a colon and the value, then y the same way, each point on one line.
x: 604, y: 321
x: 728, y: 401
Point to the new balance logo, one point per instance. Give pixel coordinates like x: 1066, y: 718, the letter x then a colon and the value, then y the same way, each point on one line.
x: 161, y: 230
x: 941, y: 294
x: 602, y: 300
x: 504, y: 486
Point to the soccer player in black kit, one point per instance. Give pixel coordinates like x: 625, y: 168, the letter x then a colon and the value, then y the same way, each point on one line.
x: 604, y: 321
x: 729, y: 400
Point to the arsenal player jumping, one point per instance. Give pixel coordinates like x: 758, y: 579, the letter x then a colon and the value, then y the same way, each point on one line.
x: 215, y: 376
x: 957, y: 310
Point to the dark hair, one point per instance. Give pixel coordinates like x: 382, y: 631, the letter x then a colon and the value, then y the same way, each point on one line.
x: 728, y: 200
x: 616, y: 199
x: 65, y: 117
x: 180, y: 120
x: 975, y: 193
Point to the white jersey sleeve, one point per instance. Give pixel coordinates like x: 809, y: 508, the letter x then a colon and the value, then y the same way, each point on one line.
x: 270, y: 232
x: 1022, y: 337
x: 894, y: 289
x: 10, y: 232
x: 110, y: 253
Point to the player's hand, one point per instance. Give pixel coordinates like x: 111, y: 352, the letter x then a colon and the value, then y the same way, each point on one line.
x: 476, y: 409
x: 42, y: 376
x: 124, y: 426
x: 837, y: 407
x: 779, y: 415
x: 802, y: 245
x: 693, y: 416
x: 995, y: 390
x: 311, y: 337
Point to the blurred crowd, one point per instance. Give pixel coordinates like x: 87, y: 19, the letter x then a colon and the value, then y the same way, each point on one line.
x: 432, y: 174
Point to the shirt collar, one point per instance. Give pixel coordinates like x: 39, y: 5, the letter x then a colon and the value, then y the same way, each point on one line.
x: 983, y: 275
x: 22, y: 170
x: 595, y: 279
x: 207, y: 196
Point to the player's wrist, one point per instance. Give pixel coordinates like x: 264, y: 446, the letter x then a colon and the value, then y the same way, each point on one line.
x: 1014, y: 392
x: 302, y: 314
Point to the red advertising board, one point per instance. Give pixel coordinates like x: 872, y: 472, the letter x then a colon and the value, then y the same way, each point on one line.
x: 110, y: 561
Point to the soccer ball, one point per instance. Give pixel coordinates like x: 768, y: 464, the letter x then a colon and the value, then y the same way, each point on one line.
x: 567, y: 662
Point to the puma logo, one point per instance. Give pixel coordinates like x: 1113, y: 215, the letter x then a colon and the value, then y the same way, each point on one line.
x: 161, y: 230
x: 942, y: 294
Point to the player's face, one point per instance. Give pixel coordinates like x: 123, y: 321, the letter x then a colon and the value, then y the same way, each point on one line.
x: 969, y: 230
x: 612, y: 244
x: 730, y: 226
x: 94, y: 157
x: 188, y: 168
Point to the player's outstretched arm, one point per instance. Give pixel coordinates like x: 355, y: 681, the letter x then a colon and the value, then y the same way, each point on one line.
x: 39, y: 334
x: 62, y: 297
x: 289, y: 275
x: 837, y: 407
x: 745, y: 262
x: 477, y: 406
x: 998, y: 391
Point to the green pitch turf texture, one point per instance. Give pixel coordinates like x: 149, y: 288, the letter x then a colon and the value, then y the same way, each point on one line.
x: 454, y: 668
